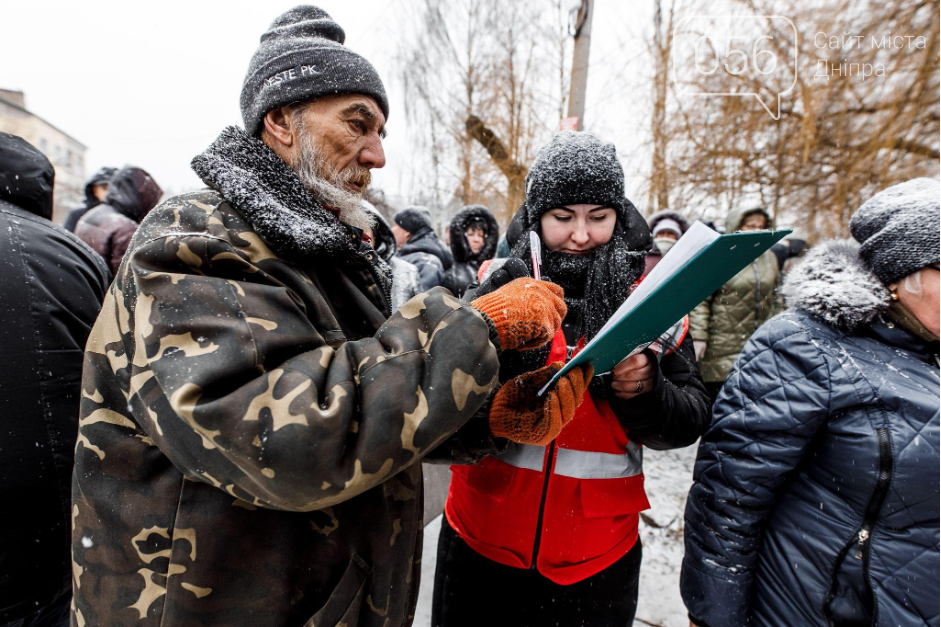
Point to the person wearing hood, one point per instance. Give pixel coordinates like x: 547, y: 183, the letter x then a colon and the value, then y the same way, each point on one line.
x: 543, y: 531
x: 722, y: 323
x: 406, y: 282
x: 254, y: 415
x: 51, y: 289
x: 474, y: 234
x: 815, y: 495
x: 109, y: 227
x: 419, y: 245
x: 666, y: 228
x: 95, y: 191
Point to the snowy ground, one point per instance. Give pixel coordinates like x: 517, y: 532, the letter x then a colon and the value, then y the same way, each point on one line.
x: 668, y: 477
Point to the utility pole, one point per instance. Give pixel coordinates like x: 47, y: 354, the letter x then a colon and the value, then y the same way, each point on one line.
x: 581, y: 30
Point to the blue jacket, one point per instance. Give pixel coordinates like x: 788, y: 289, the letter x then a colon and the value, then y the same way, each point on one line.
x: 816, y: 488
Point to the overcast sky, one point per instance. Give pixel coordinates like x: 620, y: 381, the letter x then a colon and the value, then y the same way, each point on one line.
x: 153, y: 83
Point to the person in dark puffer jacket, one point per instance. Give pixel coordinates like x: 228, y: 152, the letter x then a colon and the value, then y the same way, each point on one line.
x: 473, y: 222
x: 419, y: 245
x: 816, y: 489
x: 109, y: 227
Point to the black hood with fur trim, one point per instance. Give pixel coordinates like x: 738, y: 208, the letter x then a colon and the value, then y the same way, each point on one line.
x: 833, y: 285
x: 459, y: 223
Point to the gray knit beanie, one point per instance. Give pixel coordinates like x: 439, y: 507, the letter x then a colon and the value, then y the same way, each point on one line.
x: 302, y: 57
x: 574, y: 168
x: 413, y: 219
x: 898, y: 229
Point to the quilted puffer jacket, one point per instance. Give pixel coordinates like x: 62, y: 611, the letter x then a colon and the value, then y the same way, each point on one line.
x: 816, y: 490
x: 727, y: 319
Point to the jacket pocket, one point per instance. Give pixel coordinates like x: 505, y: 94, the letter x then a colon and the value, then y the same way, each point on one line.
x: 610, y: 498
x: 346, y: 600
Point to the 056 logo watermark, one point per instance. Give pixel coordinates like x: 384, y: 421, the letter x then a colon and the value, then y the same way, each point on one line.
x: 736, y: 57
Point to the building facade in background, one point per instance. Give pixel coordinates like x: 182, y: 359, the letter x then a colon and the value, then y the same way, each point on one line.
x: 65, y: 152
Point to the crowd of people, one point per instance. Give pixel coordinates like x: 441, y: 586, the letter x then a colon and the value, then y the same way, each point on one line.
x: 216, y: 406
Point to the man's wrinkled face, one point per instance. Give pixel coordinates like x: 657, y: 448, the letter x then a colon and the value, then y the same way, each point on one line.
x: 337, y: 141
x: 348, y: 130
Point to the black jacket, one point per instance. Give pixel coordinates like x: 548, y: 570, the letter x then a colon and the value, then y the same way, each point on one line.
x: 466, y: 262
x: 51, y: 288
x: 816, y: 489
x: 101, y: 177
x: 429, y: 255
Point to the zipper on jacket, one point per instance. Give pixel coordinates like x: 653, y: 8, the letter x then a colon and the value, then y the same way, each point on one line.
x: 542, y: 502
x: 757, y: 293
x: 878, y: 495
x: 862, y: 537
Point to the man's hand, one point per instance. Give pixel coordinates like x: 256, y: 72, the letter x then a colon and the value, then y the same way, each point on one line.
x: 527, y: 313
x: 518, y: 414
x: 633, y: 376
x: 700, y: 349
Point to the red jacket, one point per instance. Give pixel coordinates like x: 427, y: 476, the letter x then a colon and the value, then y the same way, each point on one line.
x: 575, y: 520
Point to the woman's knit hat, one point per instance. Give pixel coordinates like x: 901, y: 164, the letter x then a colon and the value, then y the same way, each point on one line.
x: 898, y: 229
x: 574, y: 168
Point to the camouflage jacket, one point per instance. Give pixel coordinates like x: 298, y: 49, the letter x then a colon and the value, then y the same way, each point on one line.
x: 251, y: 421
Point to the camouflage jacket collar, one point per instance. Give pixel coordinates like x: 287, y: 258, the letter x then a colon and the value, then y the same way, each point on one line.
x: 261, y: 186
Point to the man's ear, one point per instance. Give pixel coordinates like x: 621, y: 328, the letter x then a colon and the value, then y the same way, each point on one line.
x: 277, y: 123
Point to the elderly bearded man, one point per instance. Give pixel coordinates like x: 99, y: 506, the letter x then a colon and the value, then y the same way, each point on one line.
x: 252, y: 418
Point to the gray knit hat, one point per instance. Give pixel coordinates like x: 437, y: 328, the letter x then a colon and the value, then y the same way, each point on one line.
x: 898, y: 229
x: 574, y: 168
x: 302, y: 57
x: 413, y: 219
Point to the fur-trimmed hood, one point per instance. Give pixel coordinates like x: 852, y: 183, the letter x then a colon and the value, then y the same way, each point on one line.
x: 264, y: 189
x: 832, y: 284
x: 459, y: 223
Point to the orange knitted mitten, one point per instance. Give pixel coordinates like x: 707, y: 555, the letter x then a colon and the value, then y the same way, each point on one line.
x: 527, y: 313
x: 518, y: 414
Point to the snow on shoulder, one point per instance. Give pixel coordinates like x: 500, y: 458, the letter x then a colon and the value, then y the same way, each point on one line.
x: 832, y: 284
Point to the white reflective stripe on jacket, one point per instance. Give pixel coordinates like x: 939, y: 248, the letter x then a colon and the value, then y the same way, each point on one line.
x: 577, y: 464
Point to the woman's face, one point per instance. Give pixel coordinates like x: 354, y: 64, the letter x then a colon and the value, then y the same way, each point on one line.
x: 577, y: 229
x: 754, y: 222
x: 924, y: 306
x: 475, y: 238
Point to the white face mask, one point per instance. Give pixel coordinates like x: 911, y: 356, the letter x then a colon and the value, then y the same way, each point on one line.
x: 664, y: 244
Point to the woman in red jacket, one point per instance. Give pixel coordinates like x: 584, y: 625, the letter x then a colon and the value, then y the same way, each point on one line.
x: 545, y: 532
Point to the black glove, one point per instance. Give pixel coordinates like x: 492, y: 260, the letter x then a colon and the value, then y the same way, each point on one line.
x: 509, y: 270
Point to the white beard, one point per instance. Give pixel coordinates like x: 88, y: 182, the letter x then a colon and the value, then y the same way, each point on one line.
x: 318, y: 177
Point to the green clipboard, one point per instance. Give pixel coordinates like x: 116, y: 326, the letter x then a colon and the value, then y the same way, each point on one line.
x: 705, y: 272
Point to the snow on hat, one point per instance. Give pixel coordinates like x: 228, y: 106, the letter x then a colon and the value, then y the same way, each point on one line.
x: 575, y: 167
x: 898, y: 229
x: 667, y: 224
x: 302, y: 57
x: 413, y: 219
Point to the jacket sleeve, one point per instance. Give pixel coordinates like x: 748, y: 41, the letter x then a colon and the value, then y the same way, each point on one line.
x: 471, y: 443
x: 120, y: 240
x: 776, y: 399
x: 431, y: 273
x: 252, y: 399
x: 699, y: 320
x: 675, y: 412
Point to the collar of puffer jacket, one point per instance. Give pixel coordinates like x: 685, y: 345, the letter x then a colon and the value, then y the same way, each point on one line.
x: 832, y: 284
x: 261, y: 186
